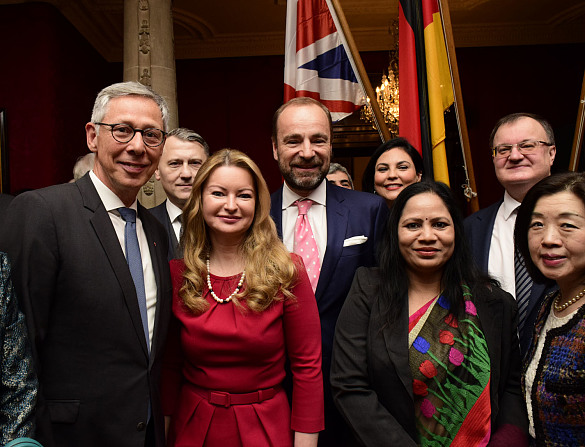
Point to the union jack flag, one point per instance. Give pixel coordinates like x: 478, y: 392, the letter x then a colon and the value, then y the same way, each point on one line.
x: 318, y: 62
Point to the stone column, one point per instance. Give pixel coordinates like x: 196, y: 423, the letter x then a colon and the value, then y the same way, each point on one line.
x: 149, y: 57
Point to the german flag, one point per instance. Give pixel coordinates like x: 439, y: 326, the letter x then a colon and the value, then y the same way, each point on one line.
x: 425, y: 83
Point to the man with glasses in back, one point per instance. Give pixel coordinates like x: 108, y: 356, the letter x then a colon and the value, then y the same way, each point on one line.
x: 91, y: 271
x: 523, y: 151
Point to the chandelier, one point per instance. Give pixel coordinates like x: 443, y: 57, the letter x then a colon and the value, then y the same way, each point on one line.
x: 387, y: 95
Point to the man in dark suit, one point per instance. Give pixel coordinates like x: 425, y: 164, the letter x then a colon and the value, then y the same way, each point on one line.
x: 5, y: 200
x: 346, y: 224
x: 183, y: 154
x: 98, y: 327
x: 523, y: 151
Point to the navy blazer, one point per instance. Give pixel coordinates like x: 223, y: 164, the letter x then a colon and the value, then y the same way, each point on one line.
x: 371, y: 376
x: 478, y: 230
x: 160, y: 212
x: 349, y: 213
x: 98, y: 383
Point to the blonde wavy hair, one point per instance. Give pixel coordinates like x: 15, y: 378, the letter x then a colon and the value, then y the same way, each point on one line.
x: 270, y: 271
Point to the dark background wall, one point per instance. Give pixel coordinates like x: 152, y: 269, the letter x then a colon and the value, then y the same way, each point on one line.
x: 543, y: 79
x: 50, y: 76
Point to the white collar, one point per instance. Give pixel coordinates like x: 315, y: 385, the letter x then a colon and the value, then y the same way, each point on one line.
x: 510, y: 205
x: 318, y: 195
x: 173, y: 211
x: 110, y: 200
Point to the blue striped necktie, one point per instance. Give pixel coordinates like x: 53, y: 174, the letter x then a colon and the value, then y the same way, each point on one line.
x: 135, y: 263
x: 523, y: 288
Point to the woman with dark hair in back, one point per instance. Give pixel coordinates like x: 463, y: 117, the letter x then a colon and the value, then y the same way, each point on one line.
x: 550, y: 234
x: 393, y: 166
x: 426, y: 349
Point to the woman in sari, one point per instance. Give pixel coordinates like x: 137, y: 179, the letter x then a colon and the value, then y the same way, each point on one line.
x: 426, y: 349
x: 550, y: 234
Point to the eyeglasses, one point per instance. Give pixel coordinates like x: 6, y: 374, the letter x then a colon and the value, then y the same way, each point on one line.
x: 524, y: 147
x: 123, y: 133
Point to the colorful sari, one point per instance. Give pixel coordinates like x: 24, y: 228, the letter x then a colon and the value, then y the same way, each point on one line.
x: 451, y: 375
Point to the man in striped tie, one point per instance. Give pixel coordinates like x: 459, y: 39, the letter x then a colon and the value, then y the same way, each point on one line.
x: 523, y: 151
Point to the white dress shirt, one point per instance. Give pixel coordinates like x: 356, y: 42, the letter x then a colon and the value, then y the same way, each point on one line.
x: 175, y: 213
x: 112, y: 202
x: 501, y: 256
x: 317, y: 216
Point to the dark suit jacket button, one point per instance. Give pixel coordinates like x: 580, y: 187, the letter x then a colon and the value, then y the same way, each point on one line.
x: 141, y: 426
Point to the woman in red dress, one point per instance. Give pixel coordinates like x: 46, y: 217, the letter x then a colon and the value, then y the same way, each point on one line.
x: 242, y: 305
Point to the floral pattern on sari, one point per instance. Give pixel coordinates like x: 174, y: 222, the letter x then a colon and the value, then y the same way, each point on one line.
x: 450, y: 366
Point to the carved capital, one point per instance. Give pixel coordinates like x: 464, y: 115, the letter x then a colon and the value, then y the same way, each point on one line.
x: 145, y: 78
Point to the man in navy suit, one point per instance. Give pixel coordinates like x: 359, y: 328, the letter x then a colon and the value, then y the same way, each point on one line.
x: 90, y: 270
x: 346, y: 224
x: 183, y: 154
x: 523, y: 151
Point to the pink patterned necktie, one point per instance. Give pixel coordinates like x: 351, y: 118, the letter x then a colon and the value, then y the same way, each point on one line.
x: 305, y: 244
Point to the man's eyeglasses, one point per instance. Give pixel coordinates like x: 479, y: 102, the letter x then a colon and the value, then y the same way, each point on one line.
x: 123, y: 133
x: 524, y: 147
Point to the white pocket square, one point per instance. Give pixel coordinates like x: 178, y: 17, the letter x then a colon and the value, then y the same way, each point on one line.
x: 355, y: 240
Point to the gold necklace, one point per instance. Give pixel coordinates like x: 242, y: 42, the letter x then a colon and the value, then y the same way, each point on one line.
x: 561, y: 307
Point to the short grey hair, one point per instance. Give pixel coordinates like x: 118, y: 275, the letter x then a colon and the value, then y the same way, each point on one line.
x: 513, y: 117
x: 336, y: 167
x: 130, y: 88
x: 184, y: 134
x: 83, y: 165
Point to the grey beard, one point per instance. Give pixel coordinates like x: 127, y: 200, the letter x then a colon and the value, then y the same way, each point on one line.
x: 303, y: 183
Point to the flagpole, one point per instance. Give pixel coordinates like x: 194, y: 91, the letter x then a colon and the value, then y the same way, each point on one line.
x: 378, y: 117
x: 579, y: 130
x: 469, y: 188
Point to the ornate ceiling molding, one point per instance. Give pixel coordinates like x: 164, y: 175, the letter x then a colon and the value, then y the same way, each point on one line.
x: 192, y: 25
x: 574, y: 14
x: 198, y: 35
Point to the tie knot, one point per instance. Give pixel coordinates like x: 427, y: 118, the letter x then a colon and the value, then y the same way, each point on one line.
x: 304, y: 206
x: 128, y: 214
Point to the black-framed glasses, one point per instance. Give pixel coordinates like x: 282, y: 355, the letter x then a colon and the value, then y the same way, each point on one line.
x: 123, y: 133
x: 524, y: 147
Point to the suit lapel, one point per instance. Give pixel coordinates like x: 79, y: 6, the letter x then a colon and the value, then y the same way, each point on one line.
x: 396, y: 340
x: 537, y: 291
x: 490, y: 313
x: 174, y: 248
x: 156, y: 257
x: 106, y: 234
x: 485, y: 236
x: 337, y: 217
x: 276, y: 210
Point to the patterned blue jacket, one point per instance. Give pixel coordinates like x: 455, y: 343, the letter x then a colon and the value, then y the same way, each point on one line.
x: 18, y: 382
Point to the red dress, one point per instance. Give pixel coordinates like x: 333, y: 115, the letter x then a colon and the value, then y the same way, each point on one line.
x: 229, y: 351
